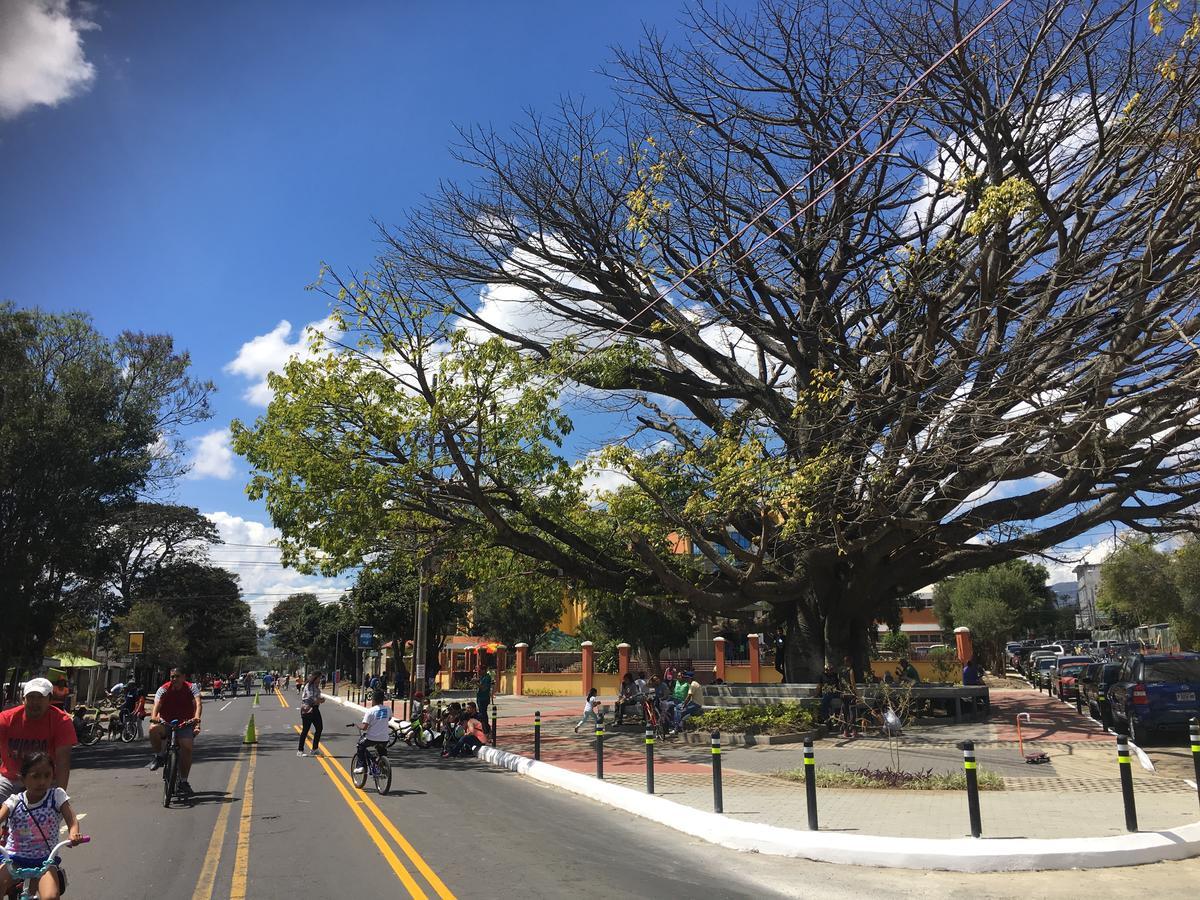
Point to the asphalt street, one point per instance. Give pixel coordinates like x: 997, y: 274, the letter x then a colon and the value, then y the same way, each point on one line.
x: 265, y: 823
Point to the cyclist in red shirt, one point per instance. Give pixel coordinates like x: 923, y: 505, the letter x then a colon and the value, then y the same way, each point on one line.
x: 177, y: 699
x: 33, y: 726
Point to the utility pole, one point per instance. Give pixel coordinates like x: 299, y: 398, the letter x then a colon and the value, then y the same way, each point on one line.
x: 423, y: 574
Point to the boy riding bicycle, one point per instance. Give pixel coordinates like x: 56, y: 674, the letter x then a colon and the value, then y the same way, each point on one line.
x: 375, y: 730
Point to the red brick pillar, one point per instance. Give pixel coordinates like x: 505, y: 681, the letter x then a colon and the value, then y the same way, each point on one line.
x: 622, y: 661
x: 719, y: 655
x: 585, y: 676
x: 755, y: 670
x: 519, y: 674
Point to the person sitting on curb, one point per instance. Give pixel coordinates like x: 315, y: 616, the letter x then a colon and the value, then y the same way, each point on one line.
x: 693, y: 700
x: 472, y: 737
x: 906, y: 671
x: 971, y: 673
x: 626, y: 696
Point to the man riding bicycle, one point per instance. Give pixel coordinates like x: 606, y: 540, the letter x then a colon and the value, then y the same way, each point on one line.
x: 177, y: 699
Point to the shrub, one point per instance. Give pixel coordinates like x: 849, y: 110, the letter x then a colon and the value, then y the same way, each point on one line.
x: 540, y: 692
x: 777, y: 718
x: 945, y: 663
x: 895, y: 779
x: 896, y: 642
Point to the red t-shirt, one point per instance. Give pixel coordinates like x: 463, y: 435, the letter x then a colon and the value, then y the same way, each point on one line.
x: 176, y: 703
x: 19, y: 737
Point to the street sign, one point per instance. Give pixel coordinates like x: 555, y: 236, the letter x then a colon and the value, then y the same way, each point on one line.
x: 366, y: 637
x: 137, y: 642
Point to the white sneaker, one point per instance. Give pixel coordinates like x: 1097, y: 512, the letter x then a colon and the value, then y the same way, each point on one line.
x: 358, y: 770
x: 301, y: 753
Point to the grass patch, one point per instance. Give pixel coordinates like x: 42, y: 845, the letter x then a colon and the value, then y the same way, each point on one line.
x: 890, y: 779
x: 777, y: 718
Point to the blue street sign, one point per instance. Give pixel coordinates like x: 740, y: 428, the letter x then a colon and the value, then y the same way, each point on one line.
x: 366, y: 637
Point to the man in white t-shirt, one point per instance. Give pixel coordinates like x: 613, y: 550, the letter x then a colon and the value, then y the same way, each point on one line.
x: 693, y: 703
x: 376, y: 732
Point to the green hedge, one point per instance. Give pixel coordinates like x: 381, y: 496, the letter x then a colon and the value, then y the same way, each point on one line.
x: 778, y: 718
x: 889, y: 780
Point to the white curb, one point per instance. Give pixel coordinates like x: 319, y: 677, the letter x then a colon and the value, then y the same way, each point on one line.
x: 952, y: 854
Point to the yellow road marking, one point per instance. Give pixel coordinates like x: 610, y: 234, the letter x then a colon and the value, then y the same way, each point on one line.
x: 241, y: 862
x: 282, y: 701
x: 208, y: 872
x: 409, y: 850
x: 406, y: 879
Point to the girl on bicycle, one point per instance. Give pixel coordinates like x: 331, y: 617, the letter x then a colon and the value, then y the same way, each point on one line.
x: 29, y: 823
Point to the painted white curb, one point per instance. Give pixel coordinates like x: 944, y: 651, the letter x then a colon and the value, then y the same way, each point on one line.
x: 952, y: 854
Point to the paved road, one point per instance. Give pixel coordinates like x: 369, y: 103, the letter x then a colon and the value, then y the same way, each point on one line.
x: 266, y: 824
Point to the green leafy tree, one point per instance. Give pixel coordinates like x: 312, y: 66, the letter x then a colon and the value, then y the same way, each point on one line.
x: 895, y: 375
x: 1137, y: 586
x: 510, y: 600
x: 649, y: 625
x: 1185, y: 568
x: 82, y: 423
x: 217, y: 624
x: 896, y: 642
x: 165, y: 642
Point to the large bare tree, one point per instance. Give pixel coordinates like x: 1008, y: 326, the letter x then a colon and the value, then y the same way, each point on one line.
x: 967, y: 336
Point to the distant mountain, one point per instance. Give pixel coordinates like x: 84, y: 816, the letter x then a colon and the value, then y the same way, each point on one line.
x: 1067, y: 592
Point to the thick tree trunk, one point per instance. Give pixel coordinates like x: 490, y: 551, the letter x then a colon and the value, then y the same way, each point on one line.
x: 803, y: 645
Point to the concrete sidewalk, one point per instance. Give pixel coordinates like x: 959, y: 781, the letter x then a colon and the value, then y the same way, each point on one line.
x: 1076, y: 794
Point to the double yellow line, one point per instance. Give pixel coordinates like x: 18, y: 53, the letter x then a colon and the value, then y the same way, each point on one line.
x: 282, y: 700
x: 206, y: 883
x: 345, y: 785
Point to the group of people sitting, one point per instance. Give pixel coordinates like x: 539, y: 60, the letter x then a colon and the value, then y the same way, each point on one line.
x: 463, y: 728
x: 675, y: 696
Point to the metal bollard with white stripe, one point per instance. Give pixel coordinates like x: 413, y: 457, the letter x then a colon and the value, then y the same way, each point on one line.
x: 1126, y: 783
x: 970, y: 770
x: 810, y: 783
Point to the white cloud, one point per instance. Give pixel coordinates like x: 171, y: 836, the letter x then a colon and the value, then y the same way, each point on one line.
x: 212, y: 457
x: 41, y: 55
x: 270, y: 352
x: 248, y: 550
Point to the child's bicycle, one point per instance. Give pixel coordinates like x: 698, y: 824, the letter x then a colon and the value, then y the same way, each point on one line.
x: 25, y: 881
x: 373, y: 762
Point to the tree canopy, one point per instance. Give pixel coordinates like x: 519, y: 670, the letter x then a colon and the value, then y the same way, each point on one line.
x: 86, y: 425
x: 841, y: 349
x: 1143, y: 585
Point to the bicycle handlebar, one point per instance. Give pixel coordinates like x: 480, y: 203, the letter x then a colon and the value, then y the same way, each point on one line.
x: 22, y: 874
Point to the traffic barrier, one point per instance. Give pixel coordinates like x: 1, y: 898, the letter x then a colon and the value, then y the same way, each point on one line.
x: 251, y: 735
x: 810, y: 783
x: 1194, y: 731
x: 537, y: 734
x: 969, y: 769
x: 1126, y: 783
x: 599, y: 751
x: 649, y: 758
x: 718, y: 800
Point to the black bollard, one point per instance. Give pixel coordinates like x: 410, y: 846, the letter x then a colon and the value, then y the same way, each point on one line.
x: 969, y: 769
x: 1194, y: 730
x: 810, y: 783
x: 1078, y: 698
x: 1105, y: 709
x: 649, y: 758
x: 537, y: 734
x: 718, y: 800
x: 599, y: 751
x: 1126, y: 783
x: 495, y: 725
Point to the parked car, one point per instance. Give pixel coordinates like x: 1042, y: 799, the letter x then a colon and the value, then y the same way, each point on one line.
x: 1094, y: 684
x: 1041, y: 671
x: 1031, y: 661
x: 1064, y: 674
x: 1155, y: 692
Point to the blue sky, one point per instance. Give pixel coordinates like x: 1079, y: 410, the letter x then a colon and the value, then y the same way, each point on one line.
x: 186, y: 168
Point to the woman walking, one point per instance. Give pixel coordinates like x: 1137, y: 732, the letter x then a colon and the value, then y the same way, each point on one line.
x: 310, y: 714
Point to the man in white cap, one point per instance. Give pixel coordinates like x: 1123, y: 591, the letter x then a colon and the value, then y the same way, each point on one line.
x: 34, y: 726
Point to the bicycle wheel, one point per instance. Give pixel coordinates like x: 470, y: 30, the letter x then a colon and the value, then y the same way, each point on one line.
x: 383, y: 775
x: 170, y: 778
x: 129, y: 730
x: 360, y: 778
x: 92, y: 732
